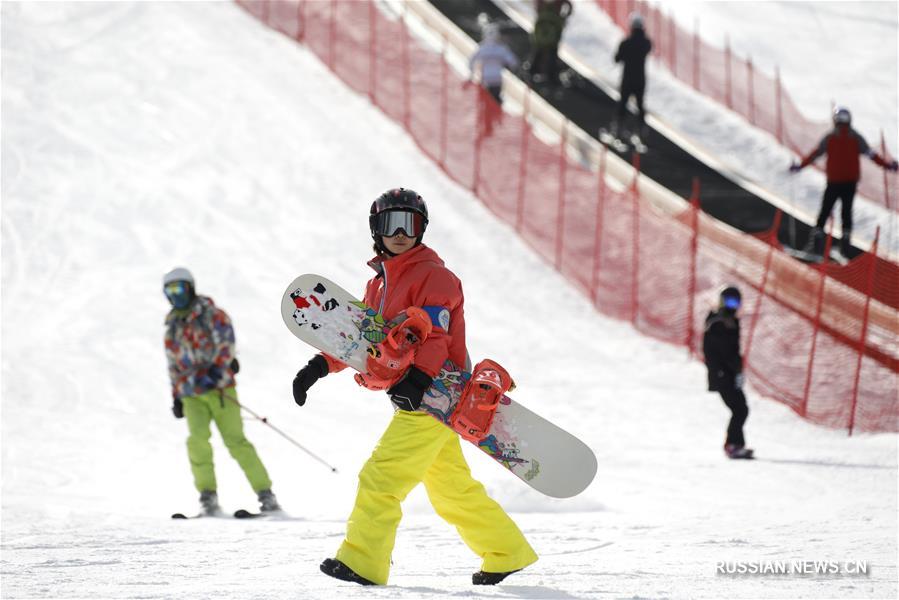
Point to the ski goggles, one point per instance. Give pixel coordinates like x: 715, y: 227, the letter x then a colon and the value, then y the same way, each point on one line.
x: 178, y: 293
x: 731, y: 302
x: 391, y: 222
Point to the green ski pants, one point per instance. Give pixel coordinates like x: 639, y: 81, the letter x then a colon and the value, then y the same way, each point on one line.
x: 222, y: 407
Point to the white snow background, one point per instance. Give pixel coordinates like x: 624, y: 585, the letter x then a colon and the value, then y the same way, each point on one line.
x: 139, y: 136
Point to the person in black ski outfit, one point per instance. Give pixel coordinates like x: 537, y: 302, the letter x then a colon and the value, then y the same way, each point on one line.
x: 632, y: 52
x: 721, y: 347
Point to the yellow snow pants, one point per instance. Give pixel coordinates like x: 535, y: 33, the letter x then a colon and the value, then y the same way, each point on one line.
x: 417, y: 448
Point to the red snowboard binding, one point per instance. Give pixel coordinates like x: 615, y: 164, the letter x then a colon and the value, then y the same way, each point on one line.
x: 388, y: 360
x: 477, y: 406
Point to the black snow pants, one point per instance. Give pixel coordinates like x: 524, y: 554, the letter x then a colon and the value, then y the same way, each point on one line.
x: 736, y: 402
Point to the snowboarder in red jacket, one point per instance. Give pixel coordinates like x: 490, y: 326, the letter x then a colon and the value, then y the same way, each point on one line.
x: 842, y: 145
x: 416, y: 448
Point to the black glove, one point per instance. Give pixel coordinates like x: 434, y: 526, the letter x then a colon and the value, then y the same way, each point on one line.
x: 177, y: 408
x: 406, y: 393
x: 314, y: 370
x: 210, y: 379
x: 893, y: 166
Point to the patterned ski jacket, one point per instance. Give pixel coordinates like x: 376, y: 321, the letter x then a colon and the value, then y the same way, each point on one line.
x: 418, y: 278
x: 196, y: 340
x: 843, y: 146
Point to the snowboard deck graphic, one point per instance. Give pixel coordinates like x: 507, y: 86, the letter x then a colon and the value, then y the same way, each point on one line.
x: 546, y: 457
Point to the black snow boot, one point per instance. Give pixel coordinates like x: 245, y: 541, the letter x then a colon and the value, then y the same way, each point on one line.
x: 209, y: 502
x: 268, y: 502
x: 485, y: 578
x: 336, y: 569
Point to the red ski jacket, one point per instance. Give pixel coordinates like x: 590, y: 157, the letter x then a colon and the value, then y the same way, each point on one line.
x: 843, y: 146
x: 419, y: 278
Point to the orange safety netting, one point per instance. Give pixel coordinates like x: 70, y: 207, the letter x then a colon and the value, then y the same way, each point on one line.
x: 826, y: 349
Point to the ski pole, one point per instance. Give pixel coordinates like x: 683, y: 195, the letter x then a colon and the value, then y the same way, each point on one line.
x: 288, y: 438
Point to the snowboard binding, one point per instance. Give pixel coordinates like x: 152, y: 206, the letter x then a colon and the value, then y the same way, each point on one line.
x: 474, y: 413
x: 389, y: 359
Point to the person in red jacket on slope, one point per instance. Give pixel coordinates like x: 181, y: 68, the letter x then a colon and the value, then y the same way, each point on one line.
x: 416, y: 448
x: 842, y: 145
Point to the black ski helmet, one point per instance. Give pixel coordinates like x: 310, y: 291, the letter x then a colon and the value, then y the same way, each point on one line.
x: 400, y: 200
x: 730, y: 298
x: 842, y: 116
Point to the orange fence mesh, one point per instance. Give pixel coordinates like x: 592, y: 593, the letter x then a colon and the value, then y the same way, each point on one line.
x: 825, y: 349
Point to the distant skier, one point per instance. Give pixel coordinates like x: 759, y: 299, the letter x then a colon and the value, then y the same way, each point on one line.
x: 721, y: 347
x: 843, y: 145
x: 552, y: 15
x: 416, y: 448
x: 199, y: 346
x: 491, y: 57
x: 632, y: 52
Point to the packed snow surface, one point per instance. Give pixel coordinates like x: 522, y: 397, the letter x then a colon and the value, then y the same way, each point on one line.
x: 139, y: 136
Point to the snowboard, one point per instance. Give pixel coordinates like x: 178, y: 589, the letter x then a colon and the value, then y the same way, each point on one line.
x: 543, y: 455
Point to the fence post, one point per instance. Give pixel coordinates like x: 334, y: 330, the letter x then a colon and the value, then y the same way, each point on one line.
x: 635, y: 241
x: 672, y: 33
x: 372, y: 49
x: 728, y: 88
x: 332, y: 28
x: 444, y: 104
x: 886, y: 179
x: 756, y: 311
x: 864, y: 334
x: 301, y: 20
x: 694, y: 251
x: 406, y: 69
x: 751, y: 90
x: 560, y: 211
x: 479, y: 134
x: 597, y: 234
x: 696, y: 58
x: 817, y: 322
x: 523, y: 163
x: 779, y: 125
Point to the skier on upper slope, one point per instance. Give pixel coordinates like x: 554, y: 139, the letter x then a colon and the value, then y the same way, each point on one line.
x: 632, y: 53
x: 416, y: 448
x: 842, y: 145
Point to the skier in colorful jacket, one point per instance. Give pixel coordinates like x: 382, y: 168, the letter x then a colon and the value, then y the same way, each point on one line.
x: 416, y: 448
x: 199, y: 346
x: 843, y: 146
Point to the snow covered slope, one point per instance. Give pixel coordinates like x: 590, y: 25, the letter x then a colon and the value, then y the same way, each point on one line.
x: 138, y: 136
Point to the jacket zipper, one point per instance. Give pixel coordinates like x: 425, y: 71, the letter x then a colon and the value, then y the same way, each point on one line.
x: 384, y: 292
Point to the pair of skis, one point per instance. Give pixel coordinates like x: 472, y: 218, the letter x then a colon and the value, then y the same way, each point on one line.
x: 622, y: 144
x: 239, y: 514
